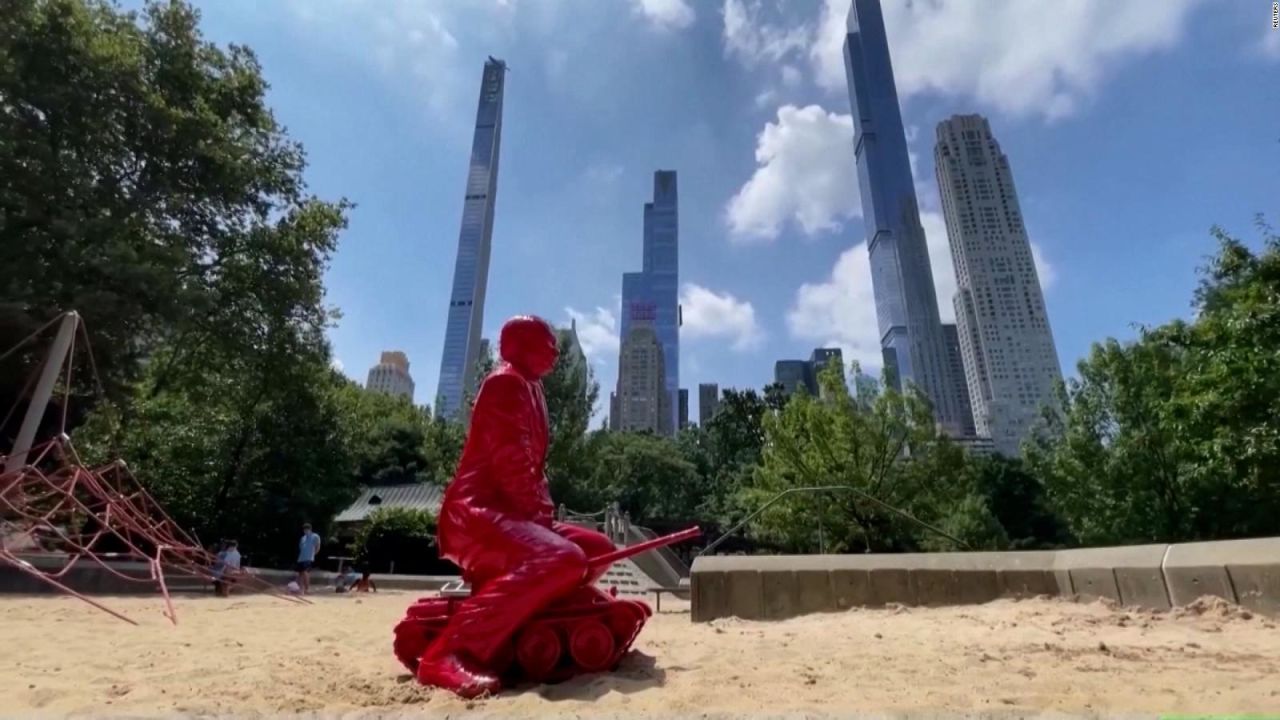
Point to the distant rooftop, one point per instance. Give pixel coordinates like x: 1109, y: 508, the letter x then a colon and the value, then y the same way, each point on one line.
x: 415, y: 496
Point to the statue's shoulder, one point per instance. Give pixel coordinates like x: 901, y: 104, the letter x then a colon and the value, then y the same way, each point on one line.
x: 504, y: 379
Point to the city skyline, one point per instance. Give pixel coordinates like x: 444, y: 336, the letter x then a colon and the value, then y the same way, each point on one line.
x: 773, y: 261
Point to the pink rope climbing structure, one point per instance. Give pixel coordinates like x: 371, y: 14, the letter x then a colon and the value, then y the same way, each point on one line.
x: 57, y: 514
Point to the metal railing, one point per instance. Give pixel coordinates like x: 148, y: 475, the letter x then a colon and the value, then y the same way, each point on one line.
x: 826, y: 488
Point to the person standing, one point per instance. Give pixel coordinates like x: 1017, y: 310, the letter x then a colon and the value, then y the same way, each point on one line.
x: 308, y: 547
x: 226, y: 567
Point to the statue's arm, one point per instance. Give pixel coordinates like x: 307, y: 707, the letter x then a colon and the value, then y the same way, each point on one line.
x: 505, y: 410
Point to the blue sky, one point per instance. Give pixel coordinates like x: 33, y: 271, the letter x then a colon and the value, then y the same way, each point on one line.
x: 1131, y: 127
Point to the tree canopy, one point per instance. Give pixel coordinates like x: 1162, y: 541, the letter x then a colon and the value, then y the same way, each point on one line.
x: 1176, y: 435
x: 145, y: 183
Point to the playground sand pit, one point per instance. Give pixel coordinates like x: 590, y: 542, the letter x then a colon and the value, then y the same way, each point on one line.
x: 263, y: 657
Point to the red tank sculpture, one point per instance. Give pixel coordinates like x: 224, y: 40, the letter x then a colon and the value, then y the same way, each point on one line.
x: 496, y: 523
x: 587, y: 630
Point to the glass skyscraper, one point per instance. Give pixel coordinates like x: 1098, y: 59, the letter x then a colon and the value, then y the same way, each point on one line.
x: 650, y: 297
x: 471, y: 270
x: 911, y: 337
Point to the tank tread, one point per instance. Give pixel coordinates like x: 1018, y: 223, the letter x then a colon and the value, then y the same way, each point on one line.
x: 623, y: 618
x: 426, y: 619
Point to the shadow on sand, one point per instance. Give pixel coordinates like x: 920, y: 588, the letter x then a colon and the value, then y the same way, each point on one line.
x: 637, y: 672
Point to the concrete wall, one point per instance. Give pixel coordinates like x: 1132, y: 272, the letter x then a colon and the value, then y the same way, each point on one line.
x: 1155, y: 576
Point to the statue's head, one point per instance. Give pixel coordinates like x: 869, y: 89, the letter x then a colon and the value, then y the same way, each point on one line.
x: 529, y: 344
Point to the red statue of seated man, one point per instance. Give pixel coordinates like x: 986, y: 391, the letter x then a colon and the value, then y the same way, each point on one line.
x: 496, y: 522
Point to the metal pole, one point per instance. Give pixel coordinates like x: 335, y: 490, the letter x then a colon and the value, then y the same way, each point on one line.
x: 44, y: 390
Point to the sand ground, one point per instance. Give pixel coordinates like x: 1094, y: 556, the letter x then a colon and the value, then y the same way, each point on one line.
x: 262, y: 657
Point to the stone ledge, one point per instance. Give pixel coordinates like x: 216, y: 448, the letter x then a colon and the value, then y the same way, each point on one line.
x: 1151, y: 576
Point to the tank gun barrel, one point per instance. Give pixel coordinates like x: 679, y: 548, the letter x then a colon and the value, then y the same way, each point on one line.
x: 642, y: 547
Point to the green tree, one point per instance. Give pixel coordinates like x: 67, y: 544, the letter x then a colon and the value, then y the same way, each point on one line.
x: 1175, y: 436
x: 145, y: 183
x: 571, y: 391
x: 884, y: 444
x: 404, y: 537
x: 732, y: 443
x: 389, y: 437
x: 231, y: 457
x: 775, y: 396
x: 1019, y: 501
x: 1112, y: 462
x: 645, y: 474
x: 442, y: 448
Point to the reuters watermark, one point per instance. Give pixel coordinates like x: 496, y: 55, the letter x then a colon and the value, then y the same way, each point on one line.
x: 1275, y: 16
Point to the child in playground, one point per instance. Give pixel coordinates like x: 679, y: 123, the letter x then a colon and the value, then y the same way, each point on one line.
x: 351, y: 582
x: 365, y: 584
x: 225, y: 567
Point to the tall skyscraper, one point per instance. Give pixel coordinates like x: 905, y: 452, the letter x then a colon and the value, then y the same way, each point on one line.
x: 471, y: 269
x: 708, y: 402
x: 573, y: 353
x: 650, y: 297
x: 906, y: 301
x: 795, y: 374
x: 959, y: 388
x: 391, y: 375
x: 683, y: 412
x: 1010, y: 361
x: 640, y: 403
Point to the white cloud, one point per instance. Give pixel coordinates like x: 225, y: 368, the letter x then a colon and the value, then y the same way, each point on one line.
x: 840, y: 311
x: 1045, y: 270
x: 806, y: 174
x: 708, y: 314
x: 1010, y: 55
x: 665, y: 14
x: 755, y: 42
x: 602, y: 173
x: 336, y: 364
x: 943, y: 270
x: 597, y: 332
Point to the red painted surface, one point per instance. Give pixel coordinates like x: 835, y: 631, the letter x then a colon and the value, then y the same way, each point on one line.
x: 534, y: 612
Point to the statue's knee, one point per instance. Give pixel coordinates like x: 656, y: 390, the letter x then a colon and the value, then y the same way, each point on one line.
x: 568, y: 561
